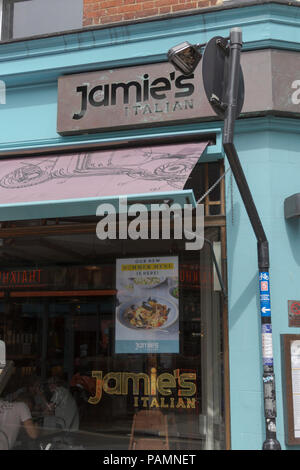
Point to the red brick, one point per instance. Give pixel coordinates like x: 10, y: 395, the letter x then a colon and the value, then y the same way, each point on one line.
x: 128, y: 8
x: 109, y: 3
x: 184, y: 7
x: 111, y: 19
x: 204, y: 4
x: 91, y: 7
x: 148, y: 4
x: 164, y: 10
x: 112, y: 11
x: 109, y: 11
x: 91, y: 14
x: 87, y: 22
x: 129, y: 16
x: 96, y: 21
x: 146, y: 13
x: 162, y: 3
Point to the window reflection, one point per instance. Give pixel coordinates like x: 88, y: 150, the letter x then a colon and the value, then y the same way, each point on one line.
x: 59, y: 328
x: 25, y: 18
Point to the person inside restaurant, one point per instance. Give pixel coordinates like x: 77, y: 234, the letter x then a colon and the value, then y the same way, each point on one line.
x: 14, y: 416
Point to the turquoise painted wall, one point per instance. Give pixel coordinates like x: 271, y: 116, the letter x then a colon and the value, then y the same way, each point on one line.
x: 269, y: 154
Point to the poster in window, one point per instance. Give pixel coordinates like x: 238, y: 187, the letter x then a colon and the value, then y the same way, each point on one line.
x: 147, y: 313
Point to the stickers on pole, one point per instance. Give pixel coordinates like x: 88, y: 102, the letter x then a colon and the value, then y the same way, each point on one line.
x: 265, y: 311
x: 264, y: 288
x: 267, y: 345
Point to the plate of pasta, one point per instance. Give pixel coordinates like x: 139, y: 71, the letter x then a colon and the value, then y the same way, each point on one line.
x: 148, y: 313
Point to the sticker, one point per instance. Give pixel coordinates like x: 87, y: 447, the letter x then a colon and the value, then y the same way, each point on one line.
x: 294, y: 313
x: 268, y: 379
x: 267, y: 345
x: 295, y: 308
x: 264, y: 276
x: 265, y: 297
x: 265, y: 303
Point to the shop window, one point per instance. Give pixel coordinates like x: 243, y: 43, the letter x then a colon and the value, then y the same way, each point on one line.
x: 25, y: 18
x: 58, y: 317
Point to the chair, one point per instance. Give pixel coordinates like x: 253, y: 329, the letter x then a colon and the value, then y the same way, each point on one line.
x: 149, y: 422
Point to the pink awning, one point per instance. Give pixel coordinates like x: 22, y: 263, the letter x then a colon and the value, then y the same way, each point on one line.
x: 97, y: 174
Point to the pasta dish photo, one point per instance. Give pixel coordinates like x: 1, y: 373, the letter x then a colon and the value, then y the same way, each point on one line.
x: 148, y: 314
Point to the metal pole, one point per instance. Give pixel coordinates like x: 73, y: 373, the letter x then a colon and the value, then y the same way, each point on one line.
x: 271, y: 442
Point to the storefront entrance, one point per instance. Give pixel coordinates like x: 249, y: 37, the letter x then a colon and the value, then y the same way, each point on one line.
x: 134, y: 332
x: 60, y: 322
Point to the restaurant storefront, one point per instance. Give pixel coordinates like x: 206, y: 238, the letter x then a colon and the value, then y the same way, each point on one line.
x: 67, y: 317
x: 129, y: 316
x: 158, y: 344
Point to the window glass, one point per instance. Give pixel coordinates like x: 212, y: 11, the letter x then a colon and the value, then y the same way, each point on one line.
x: 59, y: 323
x: 34, y: 17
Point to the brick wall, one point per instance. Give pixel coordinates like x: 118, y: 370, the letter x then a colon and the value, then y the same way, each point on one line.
x: 113, y: 11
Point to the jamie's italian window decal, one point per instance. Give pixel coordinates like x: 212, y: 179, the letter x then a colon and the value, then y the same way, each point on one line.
x: 147, y: 313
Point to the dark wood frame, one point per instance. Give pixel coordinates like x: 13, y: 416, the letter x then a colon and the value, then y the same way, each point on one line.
x: 286, y: 341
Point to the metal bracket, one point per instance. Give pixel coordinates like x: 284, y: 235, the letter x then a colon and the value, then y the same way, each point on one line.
x: 214, y: 99
x: 223, y: 43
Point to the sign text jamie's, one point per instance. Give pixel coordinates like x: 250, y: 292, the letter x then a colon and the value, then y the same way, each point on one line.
x: 140, y: 91
x: 131, y: 96
x: 149, y: 390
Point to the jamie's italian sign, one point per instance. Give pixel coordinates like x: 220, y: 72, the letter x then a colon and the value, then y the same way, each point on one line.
x: 176, y: 389
x: 126, y: 97
x: 154, y: 94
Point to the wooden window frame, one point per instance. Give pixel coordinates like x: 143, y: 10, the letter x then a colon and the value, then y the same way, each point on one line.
x: 287, y: 388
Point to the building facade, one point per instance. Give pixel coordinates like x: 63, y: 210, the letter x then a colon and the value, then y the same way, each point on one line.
x: 98, y: 105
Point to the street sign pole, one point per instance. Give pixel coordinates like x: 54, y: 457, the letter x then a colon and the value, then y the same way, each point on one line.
x: 224, y: 87
x: 231, y: 113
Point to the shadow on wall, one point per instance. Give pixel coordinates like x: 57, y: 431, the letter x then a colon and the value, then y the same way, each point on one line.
x: 251, y: 290
x: 233, y: 221
x: 241, y: 304
x: 293, y: 233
